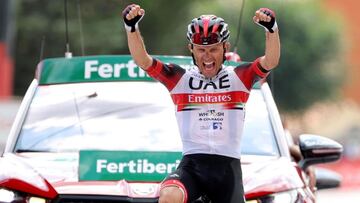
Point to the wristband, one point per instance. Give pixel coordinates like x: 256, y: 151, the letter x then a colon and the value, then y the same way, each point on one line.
x: 273, y: 29
x: 131, y: 28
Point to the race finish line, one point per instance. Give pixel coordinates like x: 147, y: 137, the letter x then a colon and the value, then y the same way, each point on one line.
x: 128, y: 165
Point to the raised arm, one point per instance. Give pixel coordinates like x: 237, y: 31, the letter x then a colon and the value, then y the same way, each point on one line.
x: 266, y: 18
x: 132, y: 15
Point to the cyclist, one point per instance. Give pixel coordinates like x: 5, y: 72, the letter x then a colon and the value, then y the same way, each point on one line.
x: 209, y: 99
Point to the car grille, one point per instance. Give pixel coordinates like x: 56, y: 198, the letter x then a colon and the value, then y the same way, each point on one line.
x: 101, y: 199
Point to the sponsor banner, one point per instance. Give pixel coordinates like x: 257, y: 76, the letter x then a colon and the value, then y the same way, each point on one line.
x: 129, y: 165
x: 98, y: 68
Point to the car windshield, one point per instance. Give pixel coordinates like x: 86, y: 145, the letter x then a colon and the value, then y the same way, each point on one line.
x: 122, y: 116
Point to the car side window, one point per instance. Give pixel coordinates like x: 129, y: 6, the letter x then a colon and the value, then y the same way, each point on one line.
x: 258, y: 136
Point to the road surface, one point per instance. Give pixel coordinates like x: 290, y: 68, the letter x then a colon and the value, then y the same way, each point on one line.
x: 339, y: 196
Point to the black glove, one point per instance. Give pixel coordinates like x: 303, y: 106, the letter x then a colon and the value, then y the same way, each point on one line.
x: 270, y: 26
x: 131, y: 25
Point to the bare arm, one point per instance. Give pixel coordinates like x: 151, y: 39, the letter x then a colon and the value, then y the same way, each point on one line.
x: 272, y: 51
x: 272, y: 44
x: 138, y: 51
x: 135, y: 41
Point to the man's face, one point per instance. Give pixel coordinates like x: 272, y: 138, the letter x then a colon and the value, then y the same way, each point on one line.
x: 208, y: 58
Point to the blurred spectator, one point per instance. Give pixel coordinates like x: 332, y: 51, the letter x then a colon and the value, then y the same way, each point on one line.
x: 232, y: 56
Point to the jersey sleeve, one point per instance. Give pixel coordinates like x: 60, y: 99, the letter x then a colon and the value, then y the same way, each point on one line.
x: 250, y: 73
x: 167, y: 74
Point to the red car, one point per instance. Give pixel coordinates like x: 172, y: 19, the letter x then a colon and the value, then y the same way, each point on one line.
x: 99, y: 129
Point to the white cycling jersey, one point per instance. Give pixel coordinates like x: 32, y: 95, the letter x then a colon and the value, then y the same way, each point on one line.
x: 210, y: 112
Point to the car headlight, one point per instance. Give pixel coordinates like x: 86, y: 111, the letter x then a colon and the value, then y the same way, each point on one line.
x: 8, y: 196
x: 281, y: 197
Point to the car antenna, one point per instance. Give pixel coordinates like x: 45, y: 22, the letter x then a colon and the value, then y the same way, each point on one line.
x: 80, y: 27
x: 42, y: 47
x: 239, y: 25
x: 68, y: 54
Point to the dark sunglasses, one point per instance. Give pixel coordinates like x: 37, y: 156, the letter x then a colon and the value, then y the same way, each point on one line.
x: 200, y: 39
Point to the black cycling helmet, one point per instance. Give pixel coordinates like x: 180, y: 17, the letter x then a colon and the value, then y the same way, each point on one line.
x: 207, y: 30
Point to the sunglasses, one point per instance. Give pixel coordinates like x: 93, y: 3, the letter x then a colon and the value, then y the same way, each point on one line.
x: 200, y: 39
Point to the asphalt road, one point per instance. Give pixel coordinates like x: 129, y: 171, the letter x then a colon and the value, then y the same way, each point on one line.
x: 339, y: 195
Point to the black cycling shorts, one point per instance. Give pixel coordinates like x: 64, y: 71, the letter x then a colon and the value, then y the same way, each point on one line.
x: 217, y: 177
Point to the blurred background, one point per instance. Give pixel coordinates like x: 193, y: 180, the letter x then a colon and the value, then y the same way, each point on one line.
x: 315, y: 86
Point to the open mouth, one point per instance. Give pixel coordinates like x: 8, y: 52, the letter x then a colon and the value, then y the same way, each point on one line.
x: 209, y: 65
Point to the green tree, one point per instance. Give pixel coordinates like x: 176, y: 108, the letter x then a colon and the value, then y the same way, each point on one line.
x: 41, y: 32
x: 311, y: 68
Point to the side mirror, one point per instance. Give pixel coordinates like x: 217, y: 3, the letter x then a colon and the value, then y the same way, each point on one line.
x: 326, y: 179
x: 317, y: 149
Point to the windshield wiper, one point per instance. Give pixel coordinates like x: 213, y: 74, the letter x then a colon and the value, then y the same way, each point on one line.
x: 30, y: 150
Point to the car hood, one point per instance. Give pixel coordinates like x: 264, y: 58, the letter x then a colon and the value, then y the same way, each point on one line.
x: 264, y: 175
x: 261, y: 175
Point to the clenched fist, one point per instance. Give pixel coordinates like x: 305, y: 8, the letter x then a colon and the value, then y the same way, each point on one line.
x: 266, y: 18
x: 132, y: 15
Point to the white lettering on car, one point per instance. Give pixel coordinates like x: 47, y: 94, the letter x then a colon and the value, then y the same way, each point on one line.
x: 100, y: 164
x: 106, y: 70
x: 132, y: 167
x: 118, y: 68
x: 131, y: 69
x: 90, y: 66
x: 112, y: 167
